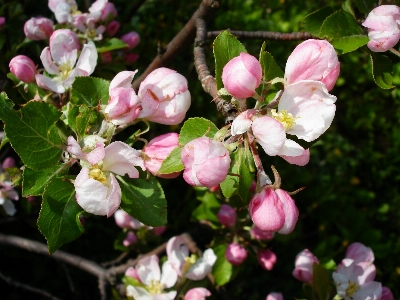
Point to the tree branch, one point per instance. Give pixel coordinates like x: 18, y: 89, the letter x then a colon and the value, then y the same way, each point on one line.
x: 265, y: 35
x: 180, y: 41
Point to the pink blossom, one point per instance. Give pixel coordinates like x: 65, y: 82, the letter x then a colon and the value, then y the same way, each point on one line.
x: 261, y: 235
x: 129, y: 239
x: 206, y: 162
x: 227, y: 215
x: 383, y: 27
x: 8, y: 162
x: 124, y: 220
x: 113, y: 27
x: 274, y: 296
x: 235, y: 254
x: 197, y: 294
x: 165, y: 94
x: 157, y: 150
x: 360, y: 253
x: 23, y: 68
x: 63, y: 10
x: 132, y: 39
x: 38, y: 28
x: 267, y: 259
x: 242, y: 75
x: 108, y: 12
x: 243, y: 122
x: 304, y: 266
x: 313, y: 60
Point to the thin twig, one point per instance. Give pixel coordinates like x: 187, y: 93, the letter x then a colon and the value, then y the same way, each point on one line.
x: 265, y: 35
x: 27, y: 287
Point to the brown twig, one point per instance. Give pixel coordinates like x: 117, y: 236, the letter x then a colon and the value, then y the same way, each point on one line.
x: 265, y: 35
x: 180, y: 41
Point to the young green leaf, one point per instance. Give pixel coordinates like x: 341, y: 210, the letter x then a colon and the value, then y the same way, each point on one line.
x: 59, y: 216
x: 269, y: 66
x: 111, y: 44
x: 90, y: 91
x: 196, y: 127
x: 222, y: 269
x: 87, y: 121
x: 32, y: 132
x: 172, y: 163
x: 144, y: 200
x: 208, y: 209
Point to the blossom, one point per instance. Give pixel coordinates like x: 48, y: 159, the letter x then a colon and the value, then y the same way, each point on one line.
x: 130, y: 239
x: 23, y: 68
x: 206, y: 162
x: 304, y: 266
x: 262, y: 235
x: 383, y: 27
x: 38, y: 28
x: 197, y: 294
x: 235, y: 254
x: 59, y: 59
x: 360, y: 253
x: 242, y: 75
x: 267, y: 259
x: 227, y: 215
x: 132, y: 39
x: 97, y: 189
x: 154, y: 279
x: 108, y: 12
x: 63, y: 10
x: 185, y: 266
x: 124, y: 220
x: 274, y: 296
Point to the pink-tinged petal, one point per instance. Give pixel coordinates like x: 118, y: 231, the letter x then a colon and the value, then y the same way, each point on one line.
x: 274, y: 296
x: 266, y: 210
x: 235, y: 254
x: 74, y: 148
x: 290, y: 210
x: 360, y: 253
x: 368, y: 272
x: 122, y: 79
x: 163, y: 82
x: 300, y: 160
x: 177, y: 251
x: 49, y: 84
x: 62, y: 43
x: 202, y: 267
x: 197, y: 294
x: 169, y: 276
x: 121, y: 159
x: 96, y: 155
x: 48, y: 63
x: 382, y: 41
x: 291, y: 148
x: 148, y: 269
x: 132, y: 272
x: 63, y: 13
x: 149, y: 105
x: 270, y: 134
x: 387, y: 294
x: 304, y: 266
x: 383, y: 17
x: 267, y: 259
x: 369, y: 291
x: 123, y: 106
x: 242, y: 122
x: 88, y: 58
x: 138, y: 293
x: 23, y: 68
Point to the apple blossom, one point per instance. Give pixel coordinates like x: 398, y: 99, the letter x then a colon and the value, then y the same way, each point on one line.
x: 235, y: 254
x: 132, y: 272
x: 360, y: 253
x: 242, y: 75
x: 165, y: 93
x: 129, y: 239
x: 124, y: 220
x: 274, y: 296
x: 206, y: 162
x: 304, y: 266
x: 38, y: 28
x: 7, y: 192
x: 198, y: 293
x: 261, y: 235
x: 132, y: 39
x: 313, y: 60
x: 157, y: 150
x: 108, y: 12
x: 154, y: 280
x: 267, y: 259
x: 97, y: 190
x: 227, y: 215
x: 23, y: 68
x: 383, y: 27
x: 63, y: 10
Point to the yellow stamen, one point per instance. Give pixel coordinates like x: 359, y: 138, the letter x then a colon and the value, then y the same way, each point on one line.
x: 97, y: 174
x: 286, y: 119
x: 352, y: 289
x: 155, y: 287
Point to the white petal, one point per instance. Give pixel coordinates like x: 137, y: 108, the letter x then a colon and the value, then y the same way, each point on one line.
x: 169, y: 275
x: 88, y: 58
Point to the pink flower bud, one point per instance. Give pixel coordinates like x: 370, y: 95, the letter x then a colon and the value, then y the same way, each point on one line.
x: 157, y: 150
x: 235, y: 254
x: 113, y: 27
x: 242, y: 75
x: 267, y: 259
x: 227, y: 215
x: 197, y: 294
x: 129, y: 239
x: 165, y: 94
x: 38, y: 28
x: 274, y: 211
x: 109, y: 11
x: 132, y: 39
x: 274, y: 296
x: 304, y: 266
x: 386, y: 294
x: 159, y: 230
x: 2, y: 22
x: 106, y: 57
x: 360, y: 253
x: 261, y: 235
x: 9, y: 162
x: 383, y: 27
x: 23, y: 68
x: 124, y: 220
x: 206, y: 162
x: 130, y: 58
x: 123, y: 106
x: 132, y: 272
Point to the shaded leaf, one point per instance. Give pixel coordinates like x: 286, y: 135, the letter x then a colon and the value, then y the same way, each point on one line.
x: 208, y: 209
x: 222, y: 269
x: 313, y: 22
x: 31, y: 88
x: 365, y: 6
x: 382, y: 70
x: 321, y: 282
x: 89, y: 91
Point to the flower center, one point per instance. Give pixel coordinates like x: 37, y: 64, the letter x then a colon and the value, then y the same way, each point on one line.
x: 352, y: 289
x: 189, y: 261
x: 65, y: 68
x: 97, y: 174
x: 155, y: 287
x: 286, y: 119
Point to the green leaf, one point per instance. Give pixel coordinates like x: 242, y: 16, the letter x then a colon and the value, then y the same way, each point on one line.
x: 382, y: 70
x: 90, y: 91
x: 87, y: 121
x: 321, y: 283
x: 34, y: 182
x: 59, y: 217
x: 226, y: 47
x: 365, y: 6
x: 269, y: 66
x: 194, y: 128
x: 4, y: 140
x: 31, y: 88
x: 144, y: 200
x: 172, y: 163
x: 222, y: 269
x: 313, y: 22
x: 111, y: 44
x: 32, y: 132
x: 208, y: 209
x: 73, y: 112
x: 350, y: 43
